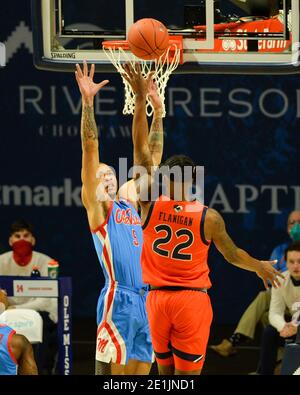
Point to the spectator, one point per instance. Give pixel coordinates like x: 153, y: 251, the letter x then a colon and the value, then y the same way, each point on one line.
x: 16, y: 354
x: 283, y: 324
x: 257, y: 311
x: 20, y: 262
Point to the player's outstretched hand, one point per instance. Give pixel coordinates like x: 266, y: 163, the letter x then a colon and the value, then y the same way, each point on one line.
x: 85, y: 80
x: 133, y: 75
x: 268, y: 273
x: 154, y: 96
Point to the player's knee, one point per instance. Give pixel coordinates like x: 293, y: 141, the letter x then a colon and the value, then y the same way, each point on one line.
x: 166, y: 370
x: 188, y: 372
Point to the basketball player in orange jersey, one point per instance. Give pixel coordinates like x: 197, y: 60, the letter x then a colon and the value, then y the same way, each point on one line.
x: 177, y: 237
x: 123, y: 337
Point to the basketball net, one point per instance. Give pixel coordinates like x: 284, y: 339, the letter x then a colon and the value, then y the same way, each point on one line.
x: 118, y: 53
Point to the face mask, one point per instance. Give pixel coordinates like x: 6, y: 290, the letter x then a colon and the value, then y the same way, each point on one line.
x: 22, y: 252
x: 295, y: 232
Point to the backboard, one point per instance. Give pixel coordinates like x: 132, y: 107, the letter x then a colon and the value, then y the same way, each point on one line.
x: 218, y: 36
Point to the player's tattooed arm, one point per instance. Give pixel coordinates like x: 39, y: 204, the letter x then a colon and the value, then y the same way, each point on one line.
x: 90, y: 155
x: 88, y: 89
x: 156, y: 135
x: 156, y: 138
x: 140, y: 129
x: 216, y: 229
x: 89, y: 139
x: 89, y: 131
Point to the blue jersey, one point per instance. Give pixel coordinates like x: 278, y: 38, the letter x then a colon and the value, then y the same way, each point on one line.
x: 123, y: 329
x: 118, y: 243
x: 8, y: 364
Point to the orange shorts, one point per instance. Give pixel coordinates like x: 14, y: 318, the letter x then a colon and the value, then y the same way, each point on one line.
x: 179, y: 325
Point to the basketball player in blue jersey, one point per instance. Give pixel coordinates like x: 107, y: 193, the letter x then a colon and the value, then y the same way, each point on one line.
x: 123, y: 337
x: 16, y: 354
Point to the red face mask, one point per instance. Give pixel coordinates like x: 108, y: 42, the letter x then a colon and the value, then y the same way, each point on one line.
x: 22, y: 252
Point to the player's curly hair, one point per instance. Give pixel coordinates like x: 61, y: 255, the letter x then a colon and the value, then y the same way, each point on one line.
x: 180, y: 161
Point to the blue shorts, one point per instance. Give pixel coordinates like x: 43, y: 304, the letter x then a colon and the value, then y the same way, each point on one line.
x: 123, y: 330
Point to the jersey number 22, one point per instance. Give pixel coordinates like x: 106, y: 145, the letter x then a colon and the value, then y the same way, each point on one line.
x: 177, y: 252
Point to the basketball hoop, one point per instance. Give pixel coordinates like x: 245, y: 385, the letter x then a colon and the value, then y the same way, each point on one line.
x: 118, y: 53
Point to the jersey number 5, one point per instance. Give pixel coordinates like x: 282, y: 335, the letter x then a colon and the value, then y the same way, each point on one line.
x: 177, y: 252
x: 135, y: 238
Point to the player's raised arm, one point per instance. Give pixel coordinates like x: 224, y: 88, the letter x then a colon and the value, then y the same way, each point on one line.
x: 89, y: 136
x: 156, y: 135
x: 216, y: 231
x: 140, y: 129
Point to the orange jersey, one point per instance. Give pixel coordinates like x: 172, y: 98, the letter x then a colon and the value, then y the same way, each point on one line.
x: 175, y: 250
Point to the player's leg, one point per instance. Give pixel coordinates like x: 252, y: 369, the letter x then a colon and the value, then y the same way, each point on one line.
x: 188, y: 373
x: 135, y: 367
x: 102, y: 368
x: 103, y: 340
x: 166, y: 370
x: 141, y: 356
x: 192, y: 318
x: 117, y: 369
x: 160, y: 329
x: 114, y: 339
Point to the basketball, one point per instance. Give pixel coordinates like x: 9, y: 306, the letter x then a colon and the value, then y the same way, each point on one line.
x: 148, y: 39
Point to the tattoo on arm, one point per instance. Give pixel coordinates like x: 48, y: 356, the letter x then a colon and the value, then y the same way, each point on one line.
x: 89, y: 131
x: 156, y: 138
x: 156, y: 141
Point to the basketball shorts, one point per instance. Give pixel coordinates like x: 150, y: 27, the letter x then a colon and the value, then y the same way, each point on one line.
x: 179, y: 326
x: 123, y: 330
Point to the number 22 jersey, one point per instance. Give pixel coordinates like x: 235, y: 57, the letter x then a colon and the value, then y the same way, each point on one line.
x: 175, y: 249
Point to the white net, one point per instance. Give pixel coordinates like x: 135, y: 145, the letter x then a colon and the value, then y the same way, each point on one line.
x: 162, y: 67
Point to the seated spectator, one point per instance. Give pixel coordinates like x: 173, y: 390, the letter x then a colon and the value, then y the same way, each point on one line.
x: 21, y: 261
x: 258, y: 310
x: 16, y: 354
x: 282, y: 323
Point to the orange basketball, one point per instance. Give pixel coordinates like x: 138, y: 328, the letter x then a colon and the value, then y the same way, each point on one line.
x: 148, y: 39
